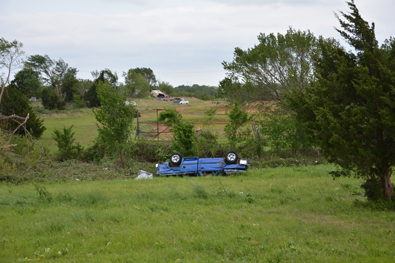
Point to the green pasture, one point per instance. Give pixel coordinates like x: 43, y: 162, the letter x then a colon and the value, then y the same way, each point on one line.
x: 85, y: 127
x: 84, y: 123
x: 295, y: 214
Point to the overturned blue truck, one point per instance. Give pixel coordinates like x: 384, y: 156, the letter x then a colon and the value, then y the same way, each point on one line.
x: 195, y: 166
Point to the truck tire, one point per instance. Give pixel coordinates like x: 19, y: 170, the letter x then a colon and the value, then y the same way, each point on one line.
x: 231, y: 157
x: 175, y: 159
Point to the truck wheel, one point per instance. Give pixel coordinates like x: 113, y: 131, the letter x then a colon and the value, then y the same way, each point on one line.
x: 231, y: 157
x: 175, y: 159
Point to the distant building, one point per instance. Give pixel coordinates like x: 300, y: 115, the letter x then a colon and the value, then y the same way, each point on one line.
x: 158, y: 94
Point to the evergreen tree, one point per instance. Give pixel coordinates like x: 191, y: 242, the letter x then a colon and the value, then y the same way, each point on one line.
x: 14, y: 102
x: 69, y: 84
x: 350, y: 110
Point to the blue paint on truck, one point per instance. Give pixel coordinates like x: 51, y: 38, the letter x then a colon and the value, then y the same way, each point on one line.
x: 195, y: 166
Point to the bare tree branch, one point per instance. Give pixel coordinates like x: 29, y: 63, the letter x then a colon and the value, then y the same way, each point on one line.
x: 11, y: 54
x: 20, y: 125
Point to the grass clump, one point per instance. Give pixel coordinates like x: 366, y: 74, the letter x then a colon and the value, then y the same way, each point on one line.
x: 199, y: 192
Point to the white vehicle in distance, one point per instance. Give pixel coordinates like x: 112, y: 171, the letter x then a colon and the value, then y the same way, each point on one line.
x: 127, y: 103
x: 180, y: 101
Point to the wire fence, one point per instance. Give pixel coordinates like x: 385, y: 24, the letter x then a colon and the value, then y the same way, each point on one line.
x: 151, y: 128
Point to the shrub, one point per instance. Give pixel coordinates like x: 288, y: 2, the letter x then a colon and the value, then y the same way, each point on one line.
x: 183, y: 132
x: 5, y: 154
x: 78, y: 101
x: 65, y: 142
x: 373, y: 190
x: 163, y: 152
x: 93, y: 153
x: 207, y: 144
x: 283, y: 132
x: 184, y: 139
x: 237, y: 119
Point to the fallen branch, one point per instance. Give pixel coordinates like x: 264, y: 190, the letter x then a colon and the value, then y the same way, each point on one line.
x: 20, y: 125
x: 8, y: 146
x: 11, y: 117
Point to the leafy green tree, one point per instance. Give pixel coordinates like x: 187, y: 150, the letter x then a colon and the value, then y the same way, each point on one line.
x: 136, y: 85
x: 27, y: 82
x: 100, y: 77
x: 350, y: 110
x: 271, y: 68
x: 283, y: 131
x: 233, y: 132
x: 51, y: 71
x: 166, y: 88
x: 197, y: 91
x: 115, y: 119
x: 14, y: 102
x: 171, y: 117
x: 11, y: 55
x: 183, y: 132
x: 50, y: 99
x: 55, y: 73
x: 148, y: 75
x: 82, y: 86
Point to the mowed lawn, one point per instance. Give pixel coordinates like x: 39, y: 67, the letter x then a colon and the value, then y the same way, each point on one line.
x: 297, y: 214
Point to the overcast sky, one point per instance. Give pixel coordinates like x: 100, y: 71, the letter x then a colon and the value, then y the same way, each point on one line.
x: 182, y: 41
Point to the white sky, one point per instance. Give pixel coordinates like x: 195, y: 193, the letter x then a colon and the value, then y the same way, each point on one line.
x: 182, y: 41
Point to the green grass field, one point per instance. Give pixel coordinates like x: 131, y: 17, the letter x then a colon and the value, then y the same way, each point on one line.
x: 80, y: 212
x: 85, y: 126
x: 267, y: 215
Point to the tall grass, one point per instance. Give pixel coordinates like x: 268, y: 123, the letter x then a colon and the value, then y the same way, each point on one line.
x: 294, y: 214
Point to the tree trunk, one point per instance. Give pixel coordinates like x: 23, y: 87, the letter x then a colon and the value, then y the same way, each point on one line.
x: 387, y: 186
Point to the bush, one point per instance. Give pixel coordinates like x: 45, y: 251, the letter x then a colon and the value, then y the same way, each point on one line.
x: 65, y: 142
x: 283, y: 132
x: 78, y: 101
x: 374, y: 190
x: 94, y: 153
x: 207, y: 144
x: 184, y: 140
x: 237, y: 119
x: 6, y: 166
